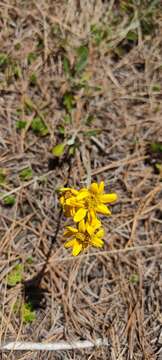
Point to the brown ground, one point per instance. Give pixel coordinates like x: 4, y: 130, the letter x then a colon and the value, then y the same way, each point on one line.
x: 115, y: 292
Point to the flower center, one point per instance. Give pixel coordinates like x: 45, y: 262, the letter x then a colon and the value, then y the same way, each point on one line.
x: 83, y: 239
x: 91, y: 202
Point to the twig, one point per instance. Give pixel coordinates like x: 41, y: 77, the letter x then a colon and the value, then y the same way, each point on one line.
x: 115, y: 164
x: 25, y: 184
x: 60, y: 345
x: 109, y: 252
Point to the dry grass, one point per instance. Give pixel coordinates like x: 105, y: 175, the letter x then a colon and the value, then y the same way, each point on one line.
x: 114, y: 293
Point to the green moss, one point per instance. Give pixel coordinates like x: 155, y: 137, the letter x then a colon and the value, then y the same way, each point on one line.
x: 26, y: 174
x: 9, y: 200
x: 15, y: 276
x: 134, y: 279
x: 21, y: 124
x: 27, y: 313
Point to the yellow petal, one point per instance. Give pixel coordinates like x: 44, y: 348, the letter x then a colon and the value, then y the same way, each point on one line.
x: 80, y: 215
x: 108, y: 198
x: 67, y: 234
x: 72, y: 211
x: 62, y: 200
x: 73, y: 191
x: 82, y: 227
x: 69, y: 243
x: 101, y: 208
x: 101, y: 187
x: 82, y: 194
x: 97, y: 242
x: 76, y: 249
x: 96, y: 223
x: 90, y: 229
x: 100, y: 233
x: 64, y: 189
x: 73, y: 230
x: 94, y: 188
x: 91, y: 215
x: 73, y: 201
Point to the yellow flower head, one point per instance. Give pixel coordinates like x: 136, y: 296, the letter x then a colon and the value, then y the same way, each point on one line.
x: 85, y: 235
x: 83, y: 206
x: 90, y: 201
x: 68, y: 193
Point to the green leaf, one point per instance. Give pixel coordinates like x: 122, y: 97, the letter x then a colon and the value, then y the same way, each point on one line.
x: 72, y: 150
x: 61, y: 130
x: 159, y: 168
x: 29, y: 103
x: 98, y: 33
x: 9, y: 200
x: 26, y: 174
x: 66, y: 66
x: 58, y: 150
x: 2, y: 175
x: 156, y: 147
x: 15, y: 276
x: 32, y: 56
x: 29, y: 260
x: 33, y: 79
x: 156, y: 87
x: 39, y: 127
x: 21, y: 124
x: 17, y: 72
x: 68, y: 101
x: 82, y: 58
x: 27, y: 313
x: 89, y: 120
x: 132, y: 36
x: 3, y: 59
x: 90, y: 133
x: 67, y: 119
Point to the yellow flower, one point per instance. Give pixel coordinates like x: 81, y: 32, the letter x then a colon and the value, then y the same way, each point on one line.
x: 85, y: 235
x: 68, y: 193
x: 90, y: 201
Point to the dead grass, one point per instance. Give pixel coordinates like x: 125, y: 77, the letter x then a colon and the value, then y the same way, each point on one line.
x: 114, y: 293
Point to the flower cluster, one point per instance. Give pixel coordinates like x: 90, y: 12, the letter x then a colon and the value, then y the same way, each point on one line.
x: 83, y: 206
